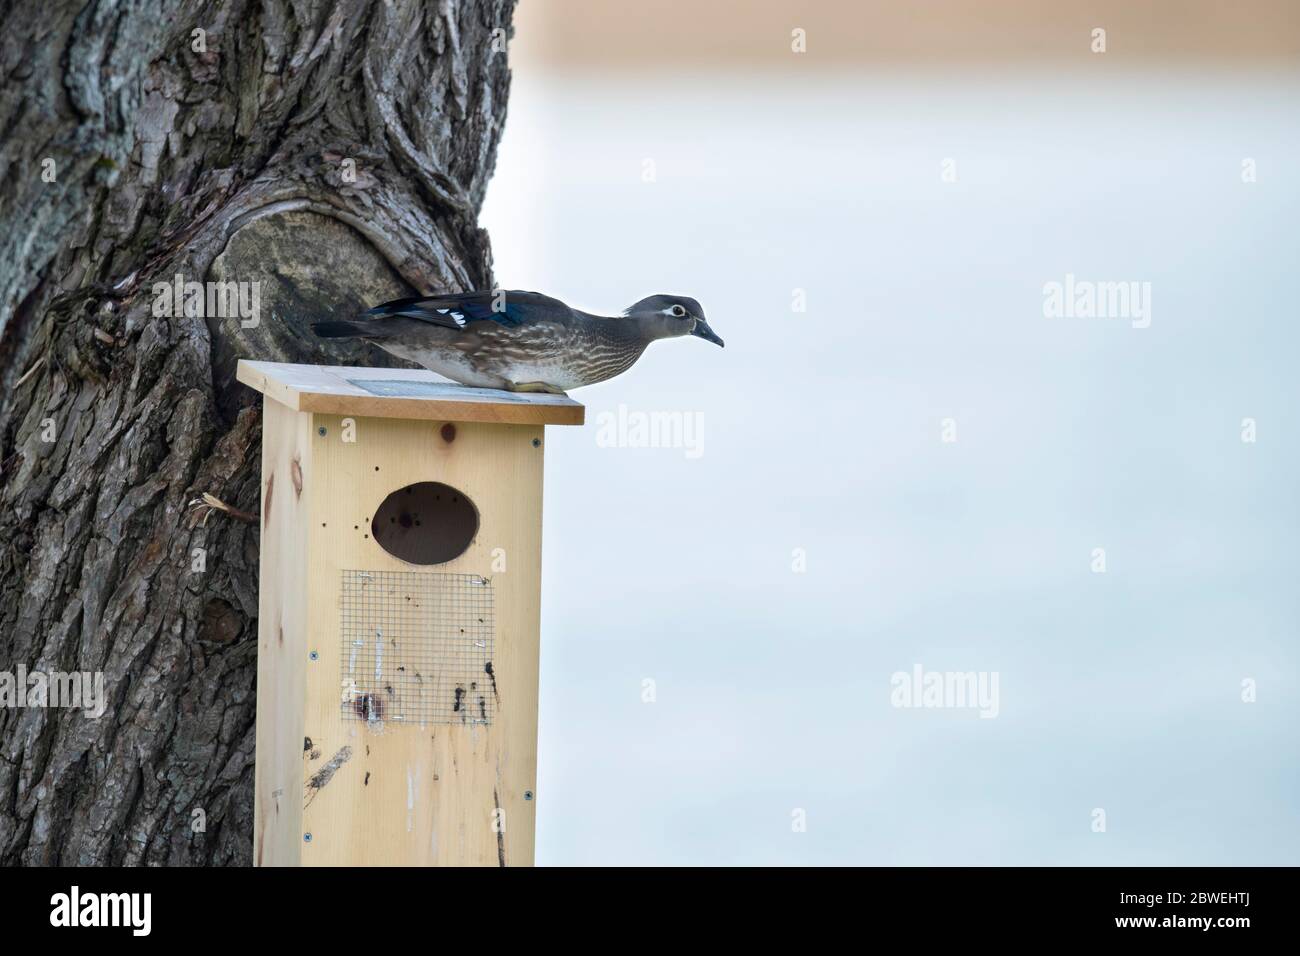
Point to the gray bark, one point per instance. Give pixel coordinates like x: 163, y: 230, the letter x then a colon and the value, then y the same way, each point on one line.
x: 224, y: 164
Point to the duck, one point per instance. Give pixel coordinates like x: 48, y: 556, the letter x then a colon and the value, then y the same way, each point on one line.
x: 520, y: 341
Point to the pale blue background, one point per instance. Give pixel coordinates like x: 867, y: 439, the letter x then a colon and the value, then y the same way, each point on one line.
x: 821, y: 431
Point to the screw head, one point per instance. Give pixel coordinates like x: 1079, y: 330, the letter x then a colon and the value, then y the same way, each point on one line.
x: 306, y: 838
x: 537, y: 443
x: 528, y: 794
x: 321, y: 431
x: 314, y: 656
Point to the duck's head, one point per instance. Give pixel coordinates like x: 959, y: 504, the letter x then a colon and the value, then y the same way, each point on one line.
x: 668, y: 316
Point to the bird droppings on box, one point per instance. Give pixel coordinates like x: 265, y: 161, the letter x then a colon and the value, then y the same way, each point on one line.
x: 415, y: 661
x: 326, y: 773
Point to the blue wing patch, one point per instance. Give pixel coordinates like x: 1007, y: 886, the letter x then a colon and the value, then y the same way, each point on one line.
x: 456, y: 311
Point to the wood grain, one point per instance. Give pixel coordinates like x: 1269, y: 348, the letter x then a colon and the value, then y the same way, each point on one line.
x: 281, y: 635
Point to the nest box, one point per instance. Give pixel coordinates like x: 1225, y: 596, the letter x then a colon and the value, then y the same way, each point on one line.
x: 401, y: 538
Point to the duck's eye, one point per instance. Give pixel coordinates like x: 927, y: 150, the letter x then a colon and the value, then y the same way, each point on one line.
x: 679, y: 311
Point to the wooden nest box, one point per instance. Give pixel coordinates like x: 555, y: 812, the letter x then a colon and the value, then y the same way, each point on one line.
x: 400, y: 581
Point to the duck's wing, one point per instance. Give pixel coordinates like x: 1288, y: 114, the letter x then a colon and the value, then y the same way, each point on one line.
x: 457, y: 310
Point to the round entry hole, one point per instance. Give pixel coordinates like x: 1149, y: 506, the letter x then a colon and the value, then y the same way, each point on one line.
x: 425, y: 523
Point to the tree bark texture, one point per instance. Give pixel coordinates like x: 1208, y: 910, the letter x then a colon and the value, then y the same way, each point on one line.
x: 334, y: 151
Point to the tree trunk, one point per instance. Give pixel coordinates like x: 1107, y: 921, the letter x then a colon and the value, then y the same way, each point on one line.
x: 336, y: 153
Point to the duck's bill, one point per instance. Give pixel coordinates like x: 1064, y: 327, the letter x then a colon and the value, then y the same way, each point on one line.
x: 703, y: 331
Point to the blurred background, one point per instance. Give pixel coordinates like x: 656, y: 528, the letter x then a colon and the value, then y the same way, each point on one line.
x: 902, y: 460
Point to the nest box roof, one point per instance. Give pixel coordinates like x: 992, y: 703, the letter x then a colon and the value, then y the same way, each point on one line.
x: 402, y: 393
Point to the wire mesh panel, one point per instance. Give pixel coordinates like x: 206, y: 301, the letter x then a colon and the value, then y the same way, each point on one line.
x: 417, y: 648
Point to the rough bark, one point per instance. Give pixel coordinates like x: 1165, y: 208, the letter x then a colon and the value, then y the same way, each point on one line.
x: 227, y: 163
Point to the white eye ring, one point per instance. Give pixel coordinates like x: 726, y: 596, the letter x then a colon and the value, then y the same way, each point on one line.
x: 678, y: 311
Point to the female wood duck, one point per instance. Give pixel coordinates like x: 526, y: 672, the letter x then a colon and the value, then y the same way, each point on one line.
x: 520, y: 341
